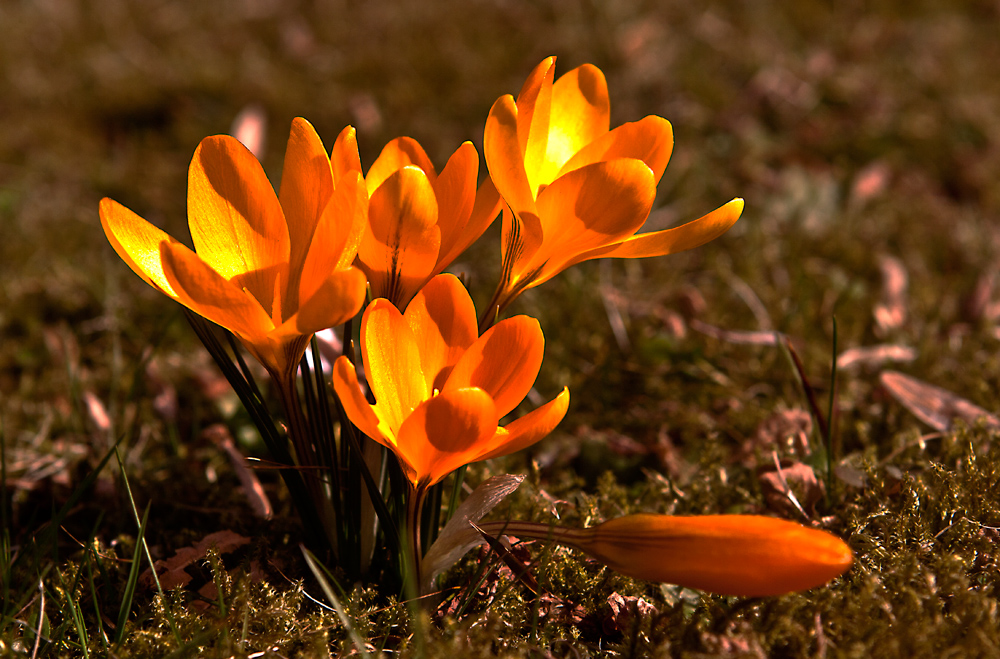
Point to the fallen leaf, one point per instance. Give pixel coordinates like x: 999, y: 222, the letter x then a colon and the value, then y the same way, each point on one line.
x: 624, y: 611
x: 172, y: 573
x: 934, y: 406
x: 788, y: 429
x: 790, y: 488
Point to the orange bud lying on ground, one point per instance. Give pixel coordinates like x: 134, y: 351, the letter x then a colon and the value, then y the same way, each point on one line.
x: 746, y: 555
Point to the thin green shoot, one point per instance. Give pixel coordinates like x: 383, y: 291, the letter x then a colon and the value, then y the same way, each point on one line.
x: 830, y: 410
x: 321, y: 575
x: 140, y: 542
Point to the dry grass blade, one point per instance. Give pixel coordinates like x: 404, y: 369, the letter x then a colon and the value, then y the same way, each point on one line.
x: 875, y: 355
x: 748, y: 337
x: 519, y: 569
x: 890, y: 313
x: 934, y: 406
x: 259, y: 503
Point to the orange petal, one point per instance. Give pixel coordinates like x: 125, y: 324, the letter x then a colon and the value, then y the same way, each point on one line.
x: 669, y: 241
x: 397, y: 154
x: 400, y: 251
x: 455, y: 190
x: 344, y: 158
x: 361, y: 414
x: 534, y: 108
x: 650, y: 140
x: 484, y: 211
x: 520, y: 240
x: 530, y: 428
x: 392, y: 362
x: 445, y: 432
x: 337, y: 299
x: 504, y: 156
x: 591, y: 207
x: 137, y: 242
x: 443, y: 320
x: 745, y: 555
x: 504, y: 362
x: 338, y: 234
x: 580, y: 114
x: 204, y: 291
x: 306, y: 186
x: 235, y: 218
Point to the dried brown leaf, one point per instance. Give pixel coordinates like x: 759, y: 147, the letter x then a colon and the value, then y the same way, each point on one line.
x: 934, y: 406
x: 172, y: 573
x: 790, y: 488
x: 788, y: 429
x: 624, y: 611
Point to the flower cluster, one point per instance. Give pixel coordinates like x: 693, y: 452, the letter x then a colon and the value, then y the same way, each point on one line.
x: 434, y: 385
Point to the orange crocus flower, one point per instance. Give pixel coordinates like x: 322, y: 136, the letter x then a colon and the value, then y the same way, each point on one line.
x: 419, y: 220
x: 574, y: 190
x: 748, y: 555
x: 440, y: 388
x: 271, y: 269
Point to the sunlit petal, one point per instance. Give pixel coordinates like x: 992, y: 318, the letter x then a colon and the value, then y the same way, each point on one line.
x: 204, y: 291
x: 137, y: 242
x: 400, y: 251
x: 455, y: 190
x: 505, y: 158
x: 591, y: 207
x: 361, y: 414
x: 527, y: 430
x: 236, y: 221
x: 581, y: 113
x: 397, y: 154
x: 392, y: 362
x: 344, y: 158
x: 669, y: 241
x: 650, y: 140
x: 338, y: 299
x: 534, y: 107
x: 443, y: 320
x: 306, y: 186
x: 338, y: 234
x: 444, y: 433
x: 484, y: 211
x: 504, y: 362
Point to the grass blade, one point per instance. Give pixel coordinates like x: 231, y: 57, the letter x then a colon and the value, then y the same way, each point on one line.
x: 321, y: 575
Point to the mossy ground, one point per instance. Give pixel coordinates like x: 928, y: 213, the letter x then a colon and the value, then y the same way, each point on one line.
x: 858, y: 133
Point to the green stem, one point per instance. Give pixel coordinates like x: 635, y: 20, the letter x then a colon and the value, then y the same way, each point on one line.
x: 414, y: 507
x: 300, y: 435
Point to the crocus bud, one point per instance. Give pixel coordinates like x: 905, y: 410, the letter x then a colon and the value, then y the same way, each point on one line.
x: 747, y: 555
